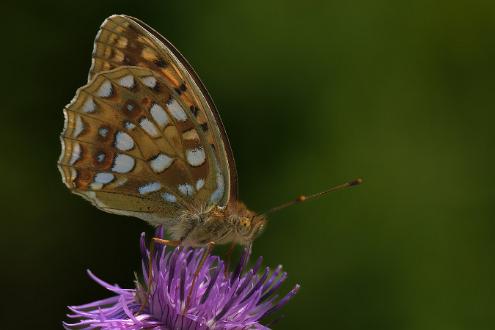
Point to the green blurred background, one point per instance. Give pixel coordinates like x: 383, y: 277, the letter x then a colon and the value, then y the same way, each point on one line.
x: 312, y: 94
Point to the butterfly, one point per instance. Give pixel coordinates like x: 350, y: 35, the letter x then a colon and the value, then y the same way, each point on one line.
x: 143, y: 138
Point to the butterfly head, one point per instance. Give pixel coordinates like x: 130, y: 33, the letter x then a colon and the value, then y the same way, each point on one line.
x: 247, y: 225
x: 249, y: 228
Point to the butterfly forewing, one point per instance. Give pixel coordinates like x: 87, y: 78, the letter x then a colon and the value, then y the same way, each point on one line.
x: 126, y: 41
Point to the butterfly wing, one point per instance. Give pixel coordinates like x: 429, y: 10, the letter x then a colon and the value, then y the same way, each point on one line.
x: 125, y: 40
x: 144, y: 138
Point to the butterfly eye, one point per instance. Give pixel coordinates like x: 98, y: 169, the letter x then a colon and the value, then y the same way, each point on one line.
x: 244, y: 226
x: 244, y: 222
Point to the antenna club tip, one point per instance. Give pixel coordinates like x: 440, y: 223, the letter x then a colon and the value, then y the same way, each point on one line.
x: 356, y: 182
x: 301, y: 198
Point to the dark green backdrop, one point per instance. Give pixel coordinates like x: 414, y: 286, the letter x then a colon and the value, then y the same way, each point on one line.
x: 312, y: 94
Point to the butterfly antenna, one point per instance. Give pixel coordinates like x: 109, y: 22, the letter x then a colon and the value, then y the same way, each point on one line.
x: 304, y: 198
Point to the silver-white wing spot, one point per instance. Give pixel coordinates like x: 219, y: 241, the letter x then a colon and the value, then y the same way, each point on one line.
x: 127, y: 81
x: 149, y: 188
x: 176, y: 110
x: 89, y: 105
x: 169, y: 197
x: 200, y: 184
x: 186, y: 189
x: 149, y: 127
x: 123, y: 141
x: 101, y: 179
x: 123, y: 163
x: 160, y: 163
x: 159, y: 115
x: 76, y: 153
x: 149, y: 81
x: 128, y: 125
x: 100, y: 157
x: 130, y: 106
x: 104, y: 177
x: 196, y: 156
x: 79, y: 127
x: 217, y: 195
x: 105, y: 89
x: 103, y: 131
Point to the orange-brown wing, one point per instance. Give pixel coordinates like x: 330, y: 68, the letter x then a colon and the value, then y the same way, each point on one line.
x: 124, y: 40
x: 132, y: 145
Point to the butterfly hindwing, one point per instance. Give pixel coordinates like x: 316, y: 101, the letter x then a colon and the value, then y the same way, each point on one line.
x: 132, y: 146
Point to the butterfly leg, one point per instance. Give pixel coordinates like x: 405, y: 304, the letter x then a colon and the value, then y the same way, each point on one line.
x: 209, y: 248
x: 228, y: 257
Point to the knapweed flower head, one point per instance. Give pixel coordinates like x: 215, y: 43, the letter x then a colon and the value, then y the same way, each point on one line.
x: 217, y: 299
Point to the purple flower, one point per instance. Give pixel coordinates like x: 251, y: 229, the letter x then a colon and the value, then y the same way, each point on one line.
x: 218, y: 300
